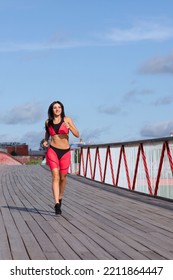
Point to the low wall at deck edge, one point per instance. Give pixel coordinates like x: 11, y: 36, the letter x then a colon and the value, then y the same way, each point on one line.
x: 6, y: 159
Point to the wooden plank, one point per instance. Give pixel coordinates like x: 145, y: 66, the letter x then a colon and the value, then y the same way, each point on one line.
x: 5, y: 253
x: 15, y: 241
x: 32, y: 247
x: 73, y: 241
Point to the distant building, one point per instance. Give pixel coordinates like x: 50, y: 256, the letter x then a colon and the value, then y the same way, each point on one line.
x: 37, y: 155
x: 14, y: 148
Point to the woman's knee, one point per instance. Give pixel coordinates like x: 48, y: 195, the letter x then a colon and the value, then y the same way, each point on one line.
x: 63, y: 177
x: 55, y: 175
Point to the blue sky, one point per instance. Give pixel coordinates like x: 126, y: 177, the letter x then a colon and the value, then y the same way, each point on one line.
x: 110, y: 62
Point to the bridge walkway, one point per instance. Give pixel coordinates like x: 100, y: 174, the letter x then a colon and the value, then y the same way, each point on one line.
x: 98, y: 221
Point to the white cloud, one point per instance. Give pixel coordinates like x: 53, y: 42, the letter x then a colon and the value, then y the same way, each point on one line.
x: 140, y: 32
x: 38, y: 46
x: 6, y: 137
x: 162, y: 129
x: 157, y: 65
x: 134, y: 94
x: 109, y: 110
x: 33, y: 139
x: 90, y: 136
x: 166, y: 100
x: 27, y: 113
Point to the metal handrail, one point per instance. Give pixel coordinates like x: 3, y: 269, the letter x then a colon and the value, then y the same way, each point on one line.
x: 143, y: 165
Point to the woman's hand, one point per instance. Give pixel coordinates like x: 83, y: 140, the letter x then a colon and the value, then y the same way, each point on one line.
x: 45, y: 144
x: 67, y: 124
x: 70, y: 125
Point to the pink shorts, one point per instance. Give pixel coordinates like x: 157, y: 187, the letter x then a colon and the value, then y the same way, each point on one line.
x: 58, y: 158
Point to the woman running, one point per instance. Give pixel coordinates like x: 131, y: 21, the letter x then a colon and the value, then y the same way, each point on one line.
x: 58, y: 154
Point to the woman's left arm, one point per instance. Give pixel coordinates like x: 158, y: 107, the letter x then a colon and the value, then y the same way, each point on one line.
x: 71, y: 126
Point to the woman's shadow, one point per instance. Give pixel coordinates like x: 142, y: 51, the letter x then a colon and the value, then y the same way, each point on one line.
x: 30, y: 210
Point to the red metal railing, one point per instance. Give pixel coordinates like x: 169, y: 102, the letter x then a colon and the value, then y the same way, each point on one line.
x: 145, y: 166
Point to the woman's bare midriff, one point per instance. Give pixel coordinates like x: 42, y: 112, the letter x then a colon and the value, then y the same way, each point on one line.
x: 60, y: 141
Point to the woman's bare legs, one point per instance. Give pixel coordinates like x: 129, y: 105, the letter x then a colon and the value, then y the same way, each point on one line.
x: 62, y: 185
x: 58, y: 187
x: 56, y: 184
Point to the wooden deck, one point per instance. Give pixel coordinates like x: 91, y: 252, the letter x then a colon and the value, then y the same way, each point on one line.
x: 98, y: 222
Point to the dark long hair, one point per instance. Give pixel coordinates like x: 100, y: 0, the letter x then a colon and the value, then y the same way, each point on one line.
x: 50, y: 111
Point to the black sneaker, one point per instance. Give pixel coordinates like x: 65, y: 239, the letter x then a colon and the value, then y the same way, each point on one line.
x: 58, y: 209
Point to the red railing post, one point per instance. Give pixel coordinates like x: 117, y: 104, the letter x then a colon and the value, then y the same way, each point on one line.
x: 136, y: 168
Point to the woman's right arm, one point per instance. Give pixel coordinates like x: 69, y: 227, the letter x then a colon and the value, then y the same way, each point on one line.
x: 46, y: 137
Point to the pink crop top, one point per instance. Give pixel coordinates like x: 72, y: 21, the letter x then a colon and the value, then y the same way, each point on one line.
x: 59, y: 128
